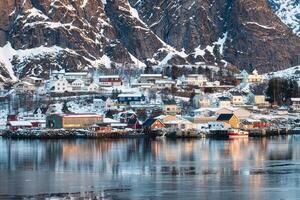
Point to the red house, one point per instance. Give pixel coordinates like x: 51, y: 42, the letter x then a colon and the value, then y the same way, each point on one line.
x: 134, y: 124
x: 108, y: 81
x: 11, y: 118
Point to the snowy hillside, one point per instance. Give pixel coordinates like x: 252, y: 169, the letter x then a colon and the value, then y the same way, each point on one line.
x: 289, y: 12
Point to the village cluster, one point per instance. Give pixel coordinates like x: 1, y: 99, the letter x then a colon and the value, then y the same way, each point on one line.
x: 146, y: 102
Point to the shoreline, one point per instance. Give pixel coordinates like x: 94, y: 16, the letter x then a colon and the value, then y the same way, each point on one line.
x: 50, y: 134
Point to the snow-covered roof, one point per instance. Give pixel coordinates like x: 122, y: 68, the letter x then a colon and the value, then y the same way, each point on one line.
x: 76, y: 73
x: 295, y: 99
x: 80, y: 115
x: 150, y: 75
x: 20, y: 123
x: 130, y: 95
x: 109, y: 120
x: 35, y: 78
x: 110, y: 76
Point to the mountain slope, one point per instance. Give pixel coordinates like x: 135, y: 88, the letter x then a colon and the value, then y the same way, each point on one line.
x: 248, y: 32
x: 288, y: 12
x: 39, y: 35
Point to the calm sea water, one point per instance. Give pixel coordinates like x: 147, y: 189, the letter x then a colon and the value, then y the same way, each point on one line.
x: 152, y: 169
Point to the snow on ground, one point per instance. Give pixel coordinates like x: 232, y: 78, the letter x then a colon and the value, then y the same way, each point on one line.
x: 7, y: 54
x: 288, y: 11
x: 290, y: 73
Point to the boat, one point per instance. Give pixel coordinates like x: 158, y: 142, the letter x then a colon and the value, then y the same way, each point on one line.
x: 236, y: 133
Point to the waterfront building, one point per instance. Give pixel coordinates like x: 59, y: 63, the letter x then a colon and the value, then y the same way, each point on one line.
x: 230, y: 119
x: 153, y: 124
x: 72, y: 121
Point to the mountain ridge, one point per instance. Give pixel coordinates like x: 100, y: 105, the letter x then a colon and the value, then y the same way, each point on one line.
x: 77, y: 35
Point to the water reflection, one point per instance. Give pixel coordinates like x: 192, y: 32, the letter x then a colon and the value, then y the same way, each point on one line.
x: 155, y: 168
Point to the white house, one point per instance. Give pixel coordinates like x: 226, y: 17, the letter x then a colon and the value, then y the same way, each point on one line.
x: 255, y: 77
x: 218, y: 125
x: 93, y: 87
x: 40, y: 113
x: 295, y: 104
x: 77, y: 86
x: 60, y: 85
x: 237, y: 98
x: 195, y: 80
x: 150, y: 78
x: 224, y: 102
x: 161, y: 84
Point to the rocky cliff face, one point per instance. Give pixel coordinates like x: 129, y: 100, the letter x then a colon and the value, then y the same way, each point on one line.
x: 39, y: 35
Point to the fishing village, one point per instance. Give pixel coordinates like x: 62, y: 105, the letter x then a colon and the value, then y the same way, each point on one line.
x: 173, y: 104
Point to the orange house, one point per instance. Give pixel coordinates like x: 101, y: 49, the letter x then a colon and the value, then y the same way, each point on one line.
x: 230, y: 119
x: 153, y: 124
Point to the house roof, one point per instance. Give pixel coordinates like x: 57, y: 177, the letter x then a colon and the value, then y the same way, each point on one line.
x: 133, y: 121
x: 150, y: 121
x: 43, y: 109
x: 109, y: 76
x: 151, y: 75
x: 20, y: 123
x: 236, y: 93
x: 225, y: 117
x: 169, y: 102
x: 224, y: 98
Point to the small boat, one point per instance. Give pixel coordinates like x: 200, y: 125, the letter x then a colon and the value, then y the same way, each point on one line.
x: 236, y: 133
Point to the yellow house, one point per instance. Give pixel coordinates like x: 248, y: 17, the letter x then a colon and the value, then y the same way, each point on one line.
x: 260, y: 100
x: 230, y: 119
x: 176, y: 122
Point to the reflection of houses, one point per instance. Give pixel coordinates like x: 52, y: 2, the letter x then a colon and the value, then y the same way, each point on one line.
x: 109, y: 81
x: 229, y: 119
x: 58, y: 121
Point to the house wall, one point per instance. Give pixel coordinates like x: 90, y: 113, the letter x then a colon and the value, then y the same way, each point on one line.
x: 79, y: 122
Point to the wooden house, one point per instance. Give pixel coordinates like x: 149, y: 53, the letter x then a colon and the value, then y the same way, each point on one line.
x: 72, y: 121
x: 230, y: 119
x: 153, y: 124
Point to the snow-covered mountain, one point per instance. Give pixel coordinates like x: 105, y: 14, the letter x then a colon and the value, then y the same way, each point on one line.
x: 39, y: 35
x: 289, y: 13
